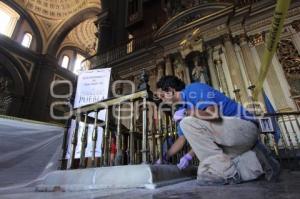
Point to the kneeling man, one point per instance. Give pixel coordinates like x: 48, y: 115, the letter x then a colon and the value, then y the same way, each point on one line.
x: 220, y: 131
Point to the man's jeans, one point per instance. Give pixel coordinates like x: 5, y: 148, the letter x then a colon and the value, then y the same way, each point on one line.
x: 223, y: 147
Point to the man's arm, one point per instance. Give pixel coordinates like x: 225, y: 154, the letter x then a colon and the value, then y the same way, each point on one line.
x: 211, y: 113
x: 176, y: 147
x: 191, y: 152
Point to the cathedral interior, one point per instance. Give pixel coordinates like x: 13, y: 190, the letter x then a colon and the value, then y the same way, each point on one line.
x: 217, y: 42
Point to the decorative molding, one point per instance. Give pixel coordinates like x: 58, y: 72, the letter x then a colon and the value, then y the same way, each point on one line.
x: 192, y: 17
x: 58, y: 77
x: 257, y: 39
x: 27, y: 65
x: 289, y: 58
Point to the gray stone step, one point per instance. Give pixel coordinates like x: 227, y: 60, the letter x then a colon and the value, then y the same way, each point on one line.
x: 129, y: 176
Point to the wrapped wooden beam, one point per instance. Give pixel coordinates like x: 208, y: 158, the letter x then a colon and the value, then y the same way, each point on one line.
x: 105, y: 147
x: 159, y: 134
x: 144, y: 138
x: 74, y: 142
x: 131, y: 135
x: 94, y: 140
x: 297, y: 143
x: 119, y: 155
x: 84, y: 142
x: 65, y: 145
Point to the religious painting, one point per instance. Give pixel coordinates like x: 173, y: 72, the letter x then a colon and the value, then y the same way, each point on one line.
x: 5, y: 91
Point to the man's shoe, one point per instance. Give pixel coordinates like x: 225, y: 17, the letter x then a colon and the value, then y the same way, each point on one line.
x: 268, y: 162
x: 214, y: 180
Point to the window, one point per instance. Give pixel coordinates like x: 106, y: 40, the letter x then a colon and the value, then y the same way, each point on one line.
x: 65, y: 61
x: 27, y: 40
x: 134, y: 11
x: 79, y: 66
x: 8, y: 18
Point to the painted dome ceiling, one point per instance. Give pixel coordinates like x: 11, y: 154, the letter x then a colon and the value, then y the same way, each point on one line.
x: 83, y: 36
x: 51, y: 15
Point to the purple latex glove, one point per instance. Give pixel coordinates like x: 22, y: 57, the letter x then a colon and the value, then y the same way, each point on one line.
x: 184, y: 161
x: 162, y: 161
x: 178, y: 115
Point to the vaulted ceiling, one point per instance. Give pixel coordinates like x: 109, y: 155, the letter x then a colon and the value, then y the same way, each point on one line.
x: 83, y: 36
x: 53, y: 16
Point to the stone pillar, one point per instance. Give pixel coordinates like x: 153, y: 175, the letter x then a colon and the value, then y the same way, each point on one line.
x: 104, y: 32
x: 242, y: 66
x: 111, y: 28
x: 212, y: 69
x: 220, y: 72
x: 227, y: 76
x: 248, y: 59
x: 250, y: 67
x: 168, y: 64
x: 234, y: 69
x: 274, y: 83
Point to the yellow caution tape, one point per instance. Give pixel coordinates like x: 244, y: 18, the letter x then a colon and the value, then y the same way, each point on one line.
x: 281, y: 9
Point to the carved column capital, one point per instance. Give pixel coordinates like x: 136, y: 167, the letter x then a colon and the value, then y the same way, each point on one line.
x: 227, y: 37
x: 257, y: 39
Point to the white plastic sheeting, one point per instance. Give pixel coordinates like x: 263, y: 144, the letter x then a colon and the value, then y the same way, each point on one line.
x: 28, y: 151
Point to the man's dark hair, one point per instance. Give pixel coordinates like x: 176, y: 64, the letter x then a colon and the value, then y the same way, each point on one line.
x: 169, y: 81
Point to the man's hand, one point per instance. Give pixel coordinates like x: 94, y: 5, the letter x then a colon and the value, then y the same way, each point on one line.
x: 179, y: 115
x: 184, y: 161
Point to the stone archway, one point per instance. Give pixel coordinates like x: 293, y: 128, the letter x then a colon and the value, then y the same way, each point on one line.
x: 62, y: 32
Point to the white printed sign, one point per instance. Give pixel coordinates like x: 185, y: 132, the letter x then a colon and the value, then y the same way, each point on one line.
x: 266, y: 125
x: 92, y: 86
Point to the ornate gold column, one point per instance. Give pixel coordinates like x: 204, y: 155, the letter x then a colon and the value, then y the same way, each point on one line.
x: 234, y: 69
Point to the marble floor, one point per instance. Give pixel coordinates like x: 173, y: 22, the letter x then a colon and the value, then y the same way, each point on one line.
x: 287, y: 188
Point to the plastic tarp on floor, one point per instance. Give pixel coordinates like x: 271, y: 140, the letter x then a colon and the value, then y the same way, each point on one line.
x: 28, y: 151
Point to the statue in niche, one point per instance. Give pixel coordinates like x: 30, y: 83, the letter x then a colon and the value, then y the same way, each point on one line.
x: 5, y: 97
x: 160, y: 71
x: 180, y: 70
x: 199, y: 73
x: 144, y: 79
